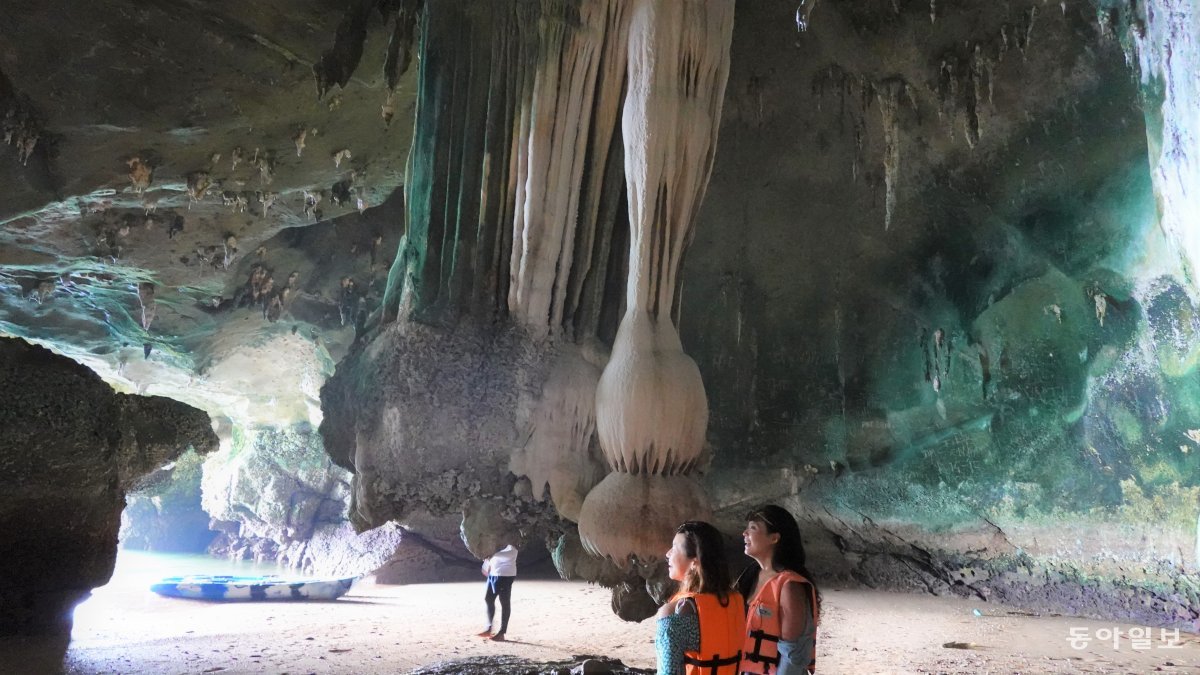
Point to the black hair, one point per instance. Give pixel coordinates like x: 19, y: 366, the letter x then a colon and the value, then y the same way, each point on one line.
x: 788, y: 553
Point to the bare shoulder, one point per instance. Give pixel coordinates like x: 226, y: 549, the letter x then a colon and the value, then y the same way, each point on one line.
x: 796, y: 591
x: 685, y: 606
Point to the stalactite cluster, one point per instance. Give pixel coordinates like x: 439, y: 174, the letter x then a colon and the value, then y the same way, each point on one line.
x: 502, y: 218
x: 963, y: 86
x: 513, y: 212
x: 889, y: 93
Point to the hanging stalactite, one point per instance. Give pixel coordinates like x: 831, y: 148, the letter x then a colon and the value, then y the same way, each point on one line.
x: 502, y: 216
x: 651, y: 409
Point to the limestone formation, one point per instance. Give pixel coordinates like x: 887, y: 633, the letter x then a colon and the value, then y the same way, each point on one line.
x: 651, y: 410
x: 939, y: 296
x: 561, y: 455
x: 275, y: 487
x: 71, y: 448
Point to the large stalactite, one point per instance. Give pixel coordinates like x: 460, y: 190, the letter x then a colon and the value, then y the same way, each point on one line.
x: 502, y: 218
x: 651, y: 409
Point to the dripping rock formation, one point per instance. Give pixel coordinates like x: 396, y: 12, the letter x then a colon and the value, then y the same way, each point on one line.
x: 440, y: 272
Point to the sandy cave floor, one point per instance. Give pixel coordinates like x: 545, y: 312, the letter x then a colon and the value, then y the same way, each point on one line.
x: 391, y: 629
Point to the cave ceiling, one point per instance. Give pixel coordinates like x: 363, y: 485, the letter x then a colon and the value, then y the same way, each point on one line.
x: 908, y: 198
x: 175, y: 146
x: 941, y: 276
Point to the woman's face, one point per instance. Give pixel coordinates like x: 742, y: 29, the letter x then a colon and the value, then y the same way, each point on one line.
x: 678, y: 563
x: 759, y: 543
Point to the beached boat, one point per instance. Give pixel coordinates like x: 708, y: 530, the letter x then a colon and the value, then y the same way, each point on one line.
x: 209, y: 587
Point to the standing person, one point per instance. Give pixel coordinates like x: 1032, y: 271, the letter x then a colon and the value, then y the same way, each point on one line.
x: 700, y: 629
x: 784, y: 608
x: 500, y: 570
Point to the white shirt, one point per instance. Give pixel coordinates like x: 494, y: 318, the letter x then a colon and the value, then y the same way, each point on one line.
x: 503, y: 563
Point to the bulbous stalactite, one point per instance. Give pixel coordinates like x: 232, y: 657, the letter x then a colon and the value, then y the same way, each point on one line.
x: 651, y: 409
x: 650, y: 404
x: 650, y: 503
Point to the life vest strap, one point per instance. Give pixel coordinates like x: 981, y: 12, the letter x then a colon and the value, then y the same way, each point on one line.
x: 714, y: 663
x: 763, y: 635
x: 760, y: 636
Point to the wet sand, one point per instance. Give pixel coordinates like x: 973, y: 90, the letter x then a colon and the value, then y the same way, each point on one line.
x: 390, y: 629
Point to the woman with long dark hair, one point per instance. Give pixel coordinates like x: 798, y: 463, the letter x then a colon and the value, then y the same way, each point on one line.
x: 784, y: 606
x: 701, y: 628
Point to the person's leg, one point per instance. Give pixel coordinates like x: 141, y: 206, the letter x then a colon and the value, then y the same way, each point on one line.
x: 504, y: 590
x: 489, y: 598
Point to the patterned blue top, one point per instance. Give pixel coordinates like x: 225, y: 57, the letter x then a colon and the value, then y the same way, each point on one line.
x: 674, y: 635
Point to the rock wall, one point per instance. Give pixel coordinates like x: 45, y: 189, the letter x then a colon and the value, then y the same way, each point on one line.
x: 930, y: 304
x: 428, y: 419
x: 929, y: 293
x: 981, y: 361
x: 269, y: 491
x: 70, y: 449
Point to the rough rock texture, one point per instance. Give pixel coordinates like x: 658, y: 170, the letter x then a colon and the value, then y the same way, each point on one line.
x: 270, y: 490
x: 176, y: 144
x: 987, y: 351
x: 929, y: 293
x: 339, y: 551
x: 427, y: 420
x: 70, y: 449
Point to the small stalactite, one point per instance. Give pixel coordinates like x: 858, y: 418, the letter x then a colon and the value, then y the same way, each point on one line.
x: 337, y: 64
x: 979, y: 84
x: 804, y: 15
x: 889, y: 93
x: 20, y: 124
x: 948, y: 94
x: 400, y: 42
x: 854, y: 97
x: 1029, y: 18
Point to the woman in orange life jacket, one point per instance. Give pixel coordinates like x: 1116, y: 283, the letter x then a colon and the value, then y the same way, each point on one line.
x: 784, y: 606
x: 700, y: 629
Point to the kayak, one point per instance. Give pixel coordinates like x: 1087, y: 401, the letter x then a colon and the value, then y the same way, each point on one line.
x: 209, y: 587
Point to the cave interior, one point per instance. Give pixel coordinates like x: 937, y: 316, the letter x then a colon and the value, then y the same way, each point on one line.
x: 381, y: 285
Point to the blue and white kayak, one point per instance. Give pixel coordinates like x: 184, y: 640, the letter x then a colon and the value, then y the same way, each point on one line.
x: 209, y: 587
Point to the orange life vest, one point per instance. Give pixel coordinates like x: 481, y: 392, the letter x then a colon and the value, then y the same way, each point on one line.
x: 760, y: 649
x: 721, y: 632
